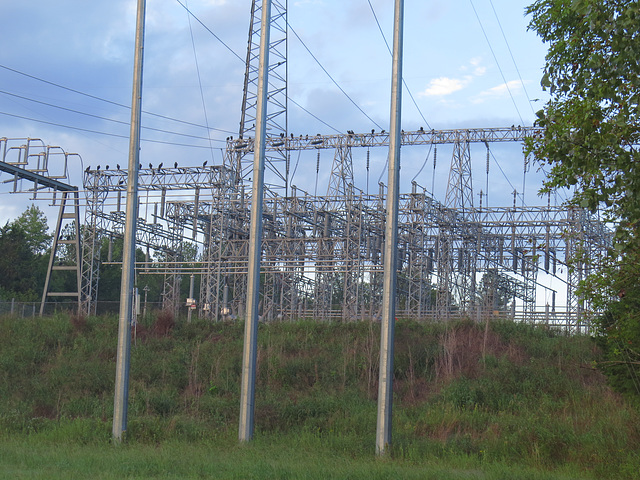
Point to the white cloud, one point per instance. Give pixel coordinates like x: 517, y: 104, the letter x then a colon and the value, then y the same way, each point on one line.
x: 479, y: 71
x: 500, y: 90
x: 442, y: 86
x: 512, y: 86
x: 445, y: 86
x: 475, y: 64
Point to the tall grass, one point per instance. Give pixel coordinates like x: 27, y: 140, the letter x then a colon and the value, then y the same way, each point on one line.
x: 515, y: 398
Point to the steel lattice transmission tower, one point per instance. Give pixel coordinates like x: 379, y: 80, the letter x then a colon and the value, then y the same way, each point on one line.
x: 275, y: 175
x: 459, y: 202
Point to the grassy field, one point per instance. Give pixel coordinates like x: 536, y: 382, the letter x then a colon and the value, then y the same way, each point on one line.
x: 270, y: 457
x: 510, y: 402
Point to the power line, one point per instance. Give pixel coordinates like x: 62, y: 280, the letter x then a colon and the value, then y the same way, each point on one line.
x: 144, y: 127
x: 332, y: 79
x: 128, y: 107
x: 121, y: 122
x: 102, y: 133
x: 512, y: 57
x: 204, y: 104
x: 243, y: 61
x: 495, y: 58
x: 210, y: 31
x: 314, y: 116
x: 391, y: 53
x: 94, y: 97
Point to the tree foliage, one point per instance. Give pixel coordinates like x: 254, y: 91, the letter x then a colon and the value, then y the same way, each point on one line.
x: 591, y: 132
x: 23, y: 263
x: 33, y: 223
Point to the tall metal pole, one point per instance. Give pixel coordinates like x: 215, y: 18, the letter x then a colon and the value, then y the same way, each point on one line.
x: 247, y: 394
x: 128, y: 256
x: 189, y: 309
x: 385, y: 389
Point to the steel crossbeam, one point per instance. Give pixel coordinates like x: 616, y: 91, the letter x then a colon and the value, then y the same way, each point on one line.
x: 381, y: 139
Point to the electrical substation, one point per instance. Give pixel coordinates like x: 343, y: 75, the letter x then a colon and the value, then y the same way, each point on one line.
x: 322, y: 252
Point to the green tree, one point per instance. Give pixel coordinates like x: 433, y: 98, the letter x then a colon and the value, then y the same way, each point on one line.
x: 591, y: 132
x: 34, y: 224
x: 24, y: 244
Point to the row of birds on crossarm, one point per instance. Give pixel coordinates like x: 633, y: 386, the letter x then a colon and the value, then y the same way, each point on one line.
x: 159, y: 168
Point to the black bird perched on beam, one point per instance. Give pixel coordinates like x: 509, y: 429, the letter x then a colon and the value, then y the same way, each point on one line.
x: 150, y: 166
x: 88, y: 168
x: 98, y: 168
x: 175, y: 165
x: 204, y: 164
x: 107, y: 167
x: 118, y: 166
x: 160, y: 166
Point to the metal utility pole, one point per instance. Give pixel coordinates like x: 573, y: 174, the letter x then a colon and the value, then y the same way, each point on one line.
x: 189, y: 309
x: 247, y: 394
x: 128, y: 260
x: 385, y: 389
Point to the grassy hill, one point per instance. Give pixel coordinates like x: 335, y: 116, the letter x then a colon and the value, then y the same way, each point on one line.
x: 512, y: 401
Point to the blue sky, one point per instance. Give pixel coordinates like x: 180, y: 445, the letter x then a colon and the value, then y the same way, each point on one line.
x: 467, y: 64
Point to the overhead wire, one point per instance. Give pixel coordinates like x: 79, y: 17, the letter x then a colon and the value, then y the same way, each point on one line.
x: 94, y: 97
x: 121, y: 122
x: 204, y: 104
x: 191, y: 14
x: 101, y: 133
x: 424, y: 163
x: 210, y: 31
x: 515, y: 64
x: 404, y: 82
x: 503, y: 172
x: 495, y: 58
x: 331, y: 78
x: 314, y: 116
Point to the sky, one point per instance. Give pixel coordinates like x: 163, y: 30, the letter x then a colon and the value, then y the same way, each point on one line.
x: 66, y: 76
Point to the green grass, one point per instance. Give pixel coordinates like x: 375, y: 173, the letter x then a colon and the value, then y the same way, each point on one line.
x: 518, y: 402
x: 268, y: 457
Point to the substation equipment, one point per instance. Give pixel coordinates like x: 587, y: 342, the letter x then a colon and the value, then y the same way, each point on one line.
x: 322, y: 254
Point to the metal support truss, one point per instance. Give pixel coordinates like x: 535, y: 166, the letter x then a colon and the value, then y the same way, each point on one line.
x: 322, y: 255
x: 46, y: 168
x: 70, y: 260
x: 277, y: 161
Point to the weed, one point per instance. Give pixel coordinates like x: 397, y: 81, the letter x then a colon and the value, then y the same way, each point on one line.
x: 464, y: 394
x: 165, y: 322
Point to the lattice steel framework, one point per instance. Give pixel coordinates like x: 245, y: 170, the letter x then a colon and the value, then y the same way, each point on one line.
x: 277, y: 161
x: 46, y: 168
x: 322, y: 255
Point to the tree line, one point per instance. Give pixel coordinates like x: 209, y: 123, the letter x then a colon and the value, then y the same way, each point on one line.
x: 26, y: 244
